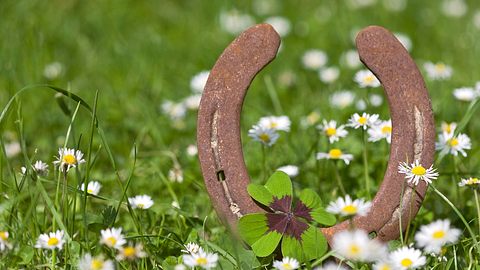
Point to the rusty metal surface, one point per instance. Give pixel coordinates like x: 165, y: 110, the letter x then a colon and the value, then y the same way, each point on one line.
x: 218, y: 130
x: 218, y: 126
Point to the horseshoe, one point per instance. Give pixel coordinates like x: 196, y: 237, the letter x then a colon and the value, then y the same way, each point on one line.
x: 218, y: 130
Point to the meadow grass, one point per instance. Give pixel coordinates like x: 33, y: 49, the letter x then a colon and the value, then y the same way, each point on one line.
x: 123, y: 59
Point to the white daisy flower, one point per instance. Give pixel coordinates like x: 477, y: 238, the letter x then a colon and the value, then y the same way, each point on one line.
x: 192, y: 248
x: 342, y: 99
x: 87, y: 262
x: 180, y: 267
x: 454, y: 8
x: 286, y: 263
x: 175, y: 174
x: 131, y: 252
x: 311, y: 119
x: 434, y: 236
x: 449, y: 129
x: 382, y: 130
x: 112, y: 237
x: 330, y: 266
x: 361, y: 105
x: 93, y: 187
x: 275, y: 122
x: 465, y: 94
x: 4, y: 243
x: 333, y: 132
x: 235, y: 22
x: 287, y: 79
x: 53, y: 70
x: 395, y: 6
x: 364, y: 121
x: 141, y: 202
x: 202, y: 259
x: 192, y: 150
x: 280, y: 24
x: 329, y: 74
x: 438, y: 71
x: 472, y: 182
x: 416, y: 172
x: 40, y: 168
x: 350, y: 59
x: 375, y: 100
x: 314, y: 59
x: 12, y: 149
x: 192, y: 102
x: 407, y: 258
x: 69, y: 158
x: 449, y: 144
x: 348, y: 207
x: 291, y: 170
x: 51, y: 240
x: 357, y: 246
x: 175, y: 111
x: 365, y: 78
x: 266, y: 136
x: 405, y: 40
x: 198, y: 81
x: 336, y: 153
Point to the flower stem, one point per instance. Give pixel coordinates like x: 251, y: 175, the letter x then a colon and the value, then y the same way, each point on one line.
x: 339, y: 179
x: 365, y: 165
x: 477, y: 203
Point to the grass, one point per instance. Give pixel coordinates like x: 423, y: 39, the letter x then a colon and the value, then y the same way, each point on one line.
x: 123, y: 59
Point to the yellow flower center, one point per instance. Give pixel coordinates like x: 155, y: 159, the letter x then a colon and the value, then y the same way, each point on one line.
x: 362, y: 120
x: 330, y: 131
x: 368, y: 79
x: 264, y: 137
x: 111, y: 241
x: 335, y: 153
x: 453, y: 142
x: 386, y: 129
x: 385, y: 267
x: 406, y: 262
x: 52, y: 241
x: 287, y: 266
x: 141, y: 205
x: 273, y: 125
x: 129, y: 252
x: 4, y: 236
x: 419, y: 170
x: 472, y: 181
x: 438, y: 234
x: 202, y: 261
x: 448, y: 128
x: 312, y: 118
x: 440, y: 67
x: 96, y: 264
x: 69, y: 159
x: 354, y: 249
x: 90, y: 191
x: 349, y: 209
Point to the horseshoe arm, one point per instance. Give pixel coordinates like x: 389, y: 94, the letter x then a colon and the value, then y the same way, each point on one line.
x: 218, y: 130
x: 413, y: 133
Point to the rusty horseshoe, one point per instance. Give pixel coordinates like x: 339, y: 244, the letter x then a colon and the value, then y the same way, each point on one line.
x: 218, y: 130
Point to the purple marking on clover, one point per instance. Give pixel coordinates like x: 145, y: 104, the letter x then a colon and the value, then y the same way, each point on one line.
x: 288, y: 222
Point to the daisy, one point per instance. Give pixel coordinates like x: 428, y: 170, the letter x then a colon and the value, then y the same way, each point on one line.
x: 407, y: 258
x: 112, y: 237
x: 141, y: 202
x: 454, y: 8
x: 357, y: 246
x: 405, y: 40
x: 280, y: 24
x: 333, y: 132
x: 235, y: 22
x: 330, y: 266
x: 192, y: 150
x: 314, y: 59
x: 93, y: 187
x: 449, y: 144
x: 472, y: 182
x: 329, y: 74
x: 291, y: 170
x: 350, y: 59
x: 364, y: 121
x: 375, y: 100
x: 266, y: 136
x: 175, y: 174
x: 175, y: 111
x: 382, y: 265
x: 53, y: 70
x: 51, y: 240
x: 449, y: 128
x: 347, y: 207
x: 287, y: 263
x: 365, y: 78
x: 4, y: 244
x: 416, y: 172
x: 197, y: 83
x: 342, y: 99
x: 12, y: 149
x: 438, y: 71
x: 87, y: 262
x: 203, y: 259
x: 275, y: 122
x: 131, y: 252
x: 434, y: 236
x: 192, y: 248
x: 335, y: 153
x: 382, y: 130
x: 40, y: 168
x: 180, y: 267
x: 465, y: 94
x: 311, y: 119
x: 69, y: 158
x: 192, y: 102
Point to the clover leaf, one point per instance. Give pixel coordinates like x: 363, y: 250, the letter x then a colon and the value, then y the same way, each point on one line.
x: 285, y: 222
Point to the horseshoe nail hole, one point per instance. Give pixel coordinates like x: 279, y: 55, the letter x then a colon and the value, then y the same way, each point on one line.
x: 221, y: 176
x: 372, y: 235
